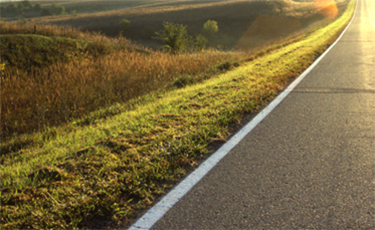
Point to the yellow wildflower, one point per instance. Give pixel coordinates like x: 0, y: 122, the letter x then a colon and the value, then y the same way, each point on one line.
x: 2, y: 68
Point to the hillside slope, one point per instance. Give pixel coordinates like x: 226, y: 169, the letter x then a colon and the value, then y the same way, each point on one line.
x: 234, y: 18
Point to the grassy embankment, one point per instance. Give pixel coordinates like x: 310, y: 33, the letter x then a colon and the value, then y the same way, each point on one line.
x: 78, y: 73
x: 117, y: 160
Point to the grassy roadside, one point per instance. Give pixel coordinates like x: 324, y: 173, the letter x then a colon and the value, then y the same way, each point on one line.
x: 114, y: 167
x: 78, y: 73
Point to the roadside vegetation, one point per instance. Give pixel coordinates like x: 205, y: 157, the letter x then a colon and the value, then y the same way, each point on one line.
x: 81, y: 72
x: 100, y: 130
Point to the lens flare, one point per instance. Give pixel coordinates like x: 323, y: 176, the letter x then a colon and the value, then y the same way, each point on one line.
x: 327, y: 8
x: 267, y: 28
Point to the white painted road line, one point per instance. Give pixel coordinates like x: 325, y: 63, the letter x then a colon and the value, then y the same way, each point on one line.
x: 162, y: 207
x: 368, y: 10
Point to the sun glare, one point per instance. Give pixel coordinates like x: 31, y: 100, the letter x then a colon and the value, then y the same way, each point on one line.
x: 327, y: 8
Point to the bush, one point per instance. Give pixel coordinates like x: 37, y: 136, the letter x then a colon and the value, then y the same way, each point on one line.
x: 228, y: 66
x: 26, y: 3
x: 210, y: 28
x: 12, y: 9
x: 175, y: 37
x: 125, y: 24
x: 45, y: 12
x: 183, y: 81
x: 38, y: 7
x: 20, y: 7
x: 200, y: 43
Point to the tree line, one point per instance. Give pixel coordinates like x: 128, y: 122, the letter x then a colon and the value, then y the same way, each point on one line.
x: 26, y: 9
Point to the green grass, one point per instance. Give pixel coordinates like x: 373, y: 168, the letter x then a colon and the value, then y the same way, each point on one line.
x: 119, y: 163
x: 26, y: 51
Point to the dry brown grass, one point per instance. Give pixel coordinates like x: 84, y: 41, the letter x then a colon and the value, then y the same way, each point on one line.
x: 33, y: 100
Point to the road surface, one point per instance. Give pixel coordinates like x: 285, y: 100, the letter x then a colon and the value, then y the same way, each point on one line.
x: 311, y: 162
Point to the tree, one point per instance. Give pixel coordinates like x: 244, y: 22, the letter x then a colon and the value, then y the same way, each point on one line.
x: 24, y: 6
x: 26, y: 3
x: 57, y: 9
x: 45, y: 12
x: 37, y: 7
x: 200, y: 43
x: 13, y: 9
x: 20, y: 7
x: 210, y: 28
x: 175, y: 37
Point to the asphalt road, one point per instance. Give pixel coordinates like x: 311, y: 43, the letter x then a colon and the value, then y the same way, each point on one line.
x: 310, y: 163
